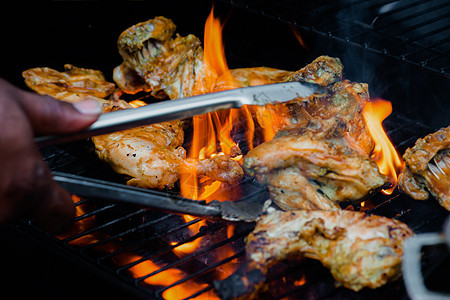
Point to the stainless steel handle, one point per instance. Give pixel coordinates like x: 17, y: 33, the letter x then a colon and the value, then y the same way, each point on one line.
x: 190, y: 106
x: 411, y: 269
x: 88, y: 187
x: 150, y: 114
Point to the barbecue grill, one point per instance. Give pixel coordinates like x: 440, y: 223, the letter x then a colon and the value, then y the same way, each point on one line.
x: 400, y: 48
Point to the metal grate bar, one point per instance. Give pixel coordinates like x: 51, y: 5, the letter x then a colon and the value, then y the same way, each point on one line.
x: 157, y: 254
x: 93, y: 213
x: 382, y: 35
x: 425, y: 35
x: 391, y: 12
x: 107, y: 224
x: 201, y: 272
x: 408, y: 17
x: 429, y: 47
x: 154, y: 237
x: 213, y: 266
x: 192, y: 256
x: 396, y: 22
x: 127, y: 232
x: 436, y: 57
x: 202, y: 291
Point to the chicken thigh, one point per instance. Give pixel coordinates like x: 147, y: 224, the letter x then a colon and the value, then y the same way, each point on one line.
x: 360, y: 250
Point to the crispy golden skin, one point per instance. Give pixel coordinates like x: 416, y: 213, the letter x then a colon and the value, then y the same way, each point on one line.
x: 342, y: 106
x: 313, y: 169
x: 320, y: 157
x: 173, y: 66
x: 360, y: 250
x: 427, y: 168
x: 72, y: 85
x: 168, y: 65
x: 324, y: 70
x: 151, y: 155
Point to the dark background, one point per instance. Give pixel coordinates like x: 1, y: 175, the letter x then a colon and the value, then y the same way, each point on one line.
x: 51, y: 34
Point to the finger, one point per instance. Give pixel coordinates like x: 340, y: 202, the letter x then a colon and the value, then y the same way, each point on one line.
x: 50, y: 116
x: 56, y: 212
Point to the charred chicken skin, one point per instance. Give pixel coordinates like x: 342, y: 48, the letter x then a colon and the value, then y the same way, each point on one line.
x: 151, y: 155
x: 427, y: 168
x: 360, y: 250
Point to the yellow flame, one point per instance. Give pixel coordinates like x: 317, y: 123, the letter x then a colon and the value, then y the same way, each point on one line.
x: 384, y: 153
x: 137, y: 103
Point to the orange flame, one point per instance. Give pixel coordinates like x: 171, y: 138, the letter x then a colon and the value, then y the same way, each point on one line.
x: 211, y: 136
x: 214, y: 54
x: 301, y: 281
x: 165, y: 278
x: 211, y: 132
x: 137, y: 103
x: 299, y: 38
x: 143, y: 267
x: 384, y: 153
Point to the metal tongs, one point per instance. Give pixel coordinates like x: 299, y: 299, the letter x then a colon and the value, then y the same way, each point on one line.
x: 171, y: 110
x: 189, y: 107
x: 93, y: 188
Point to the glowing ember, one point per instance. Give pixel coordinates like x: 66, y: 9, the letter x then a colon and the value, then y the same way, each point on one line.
x: 384, y: 154
x: 301, y: 281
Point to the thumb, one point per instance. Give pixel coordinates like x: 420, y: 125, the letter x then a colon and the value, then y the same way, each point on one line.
x: 50, y: 116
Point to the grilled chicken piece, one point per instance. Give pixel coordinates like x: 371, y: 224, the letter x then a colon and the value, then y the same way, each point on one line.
x: 174, y: 66
x: 72, y: 85
x: 168, y: 66
x: 360, y: 250
x: 151, y: 155
x: 324, y: 70
x: 342, y: 107
x: 320, y: 157
x: 427, y: 168
x: 313, y: 169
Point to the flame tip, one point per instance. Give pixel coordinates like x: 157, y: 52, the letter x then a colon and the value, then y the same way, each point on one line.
x: 384, y: 154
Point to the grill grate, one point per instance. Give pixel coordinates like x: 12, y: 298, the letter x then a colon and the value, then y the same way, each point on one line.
x: 414, y: 32
x: 117, y: 239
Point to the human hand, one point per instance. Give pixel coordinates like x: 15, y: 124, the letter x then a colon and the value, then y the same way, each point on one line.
x: 26, y: 184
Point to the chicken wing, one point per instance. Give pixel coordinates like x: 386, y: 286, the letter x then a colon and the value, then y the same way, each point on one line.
x: 151, y: 155
x: 360, y: 250
x: 427, y: 168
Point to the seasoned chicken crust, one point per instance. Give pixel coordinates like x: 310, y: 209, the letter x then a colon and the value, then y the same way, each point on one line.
x: 360, y: 250
x: 427, y: 168
x: 151, y: 155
